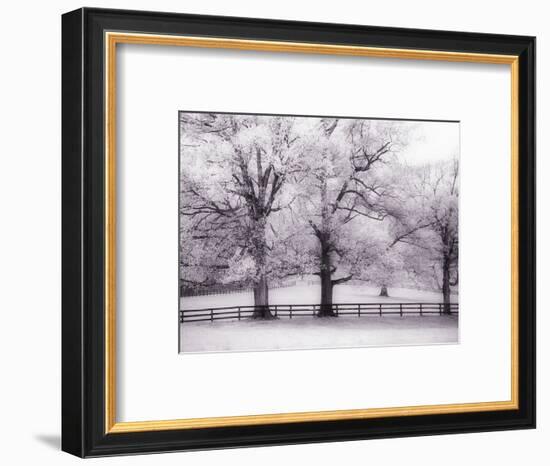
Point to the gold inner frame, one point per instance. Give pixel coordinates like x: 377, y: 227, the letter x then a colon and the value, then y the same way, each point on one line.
x: 110, y: 41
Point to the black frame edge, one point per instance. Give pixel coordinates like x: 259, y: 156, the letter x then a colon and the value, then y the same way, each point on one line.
x: 527, y: 232
x: 72, y: 418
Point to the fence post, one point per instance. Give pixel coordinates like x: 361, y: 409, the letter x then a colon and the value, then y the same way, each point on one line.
x: 359, y: 310
x: 380, y: 306
x: 239, y: 310
x: 290, y: 315
x: 420, y: 309
x: 439, y: 308
x: 275, y: 310
x: 400, y: 310
x: 336, y: 309
x: 211, y: 315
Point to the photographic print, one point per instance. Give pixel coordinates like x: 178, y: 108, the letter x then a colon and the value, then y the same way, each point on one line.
x: 304, y: 232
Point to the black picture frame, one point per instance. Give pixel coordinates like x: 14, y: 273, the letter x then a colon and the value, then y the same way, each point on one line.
x: 83, y: 230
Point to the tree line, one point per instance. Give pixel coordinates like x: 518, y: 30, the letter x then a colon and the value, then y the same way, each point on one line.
x: 267, y: 197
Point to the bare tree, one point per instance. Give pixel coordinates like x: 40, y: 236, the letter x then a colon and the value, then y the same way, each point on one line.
x: 241, y: 163
x: 428, y: 220
x: 345, y: 189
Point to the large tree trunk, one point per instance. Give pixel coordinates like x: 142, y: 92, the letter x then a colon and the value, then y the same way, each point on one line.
x: 326, y: 309
x: 261, y: 291
x: 325, y: 273
x: 261, y: 299
x: 446, y: 286
x: 384, y: 291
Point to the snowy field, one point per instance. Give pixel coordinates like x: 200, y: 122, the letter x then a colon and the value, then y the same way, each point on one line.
x: 307, y: 333
x: 311, y: 332
x: 310, y: 294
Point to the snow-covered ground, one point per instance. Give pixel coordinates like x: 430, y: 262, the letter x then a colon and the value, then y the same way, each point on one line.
x: 303, y: 293
x: 311, y: 332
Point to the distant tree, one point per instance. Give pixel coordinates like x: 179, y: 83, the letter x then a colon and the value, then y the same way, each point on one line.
x: 387, y: 267
x: 427, y: 220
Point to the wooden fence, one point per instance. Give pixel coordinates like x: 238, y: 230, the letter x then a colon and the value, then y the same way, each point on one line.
x: 226, y: 289
x: 310, y: 310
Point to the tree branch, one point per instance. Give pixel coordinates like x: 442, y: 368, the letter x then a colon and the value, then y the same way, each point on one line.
x: 342, y: 280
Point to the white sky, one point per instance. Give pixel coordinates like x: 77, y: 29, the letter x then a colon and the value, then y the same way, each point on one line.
x: 431, y: 141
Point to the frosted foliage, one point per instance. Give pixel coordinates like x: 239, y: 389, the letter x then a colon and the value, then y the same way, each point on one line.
x: 266, y: 198
x: 431, y: 234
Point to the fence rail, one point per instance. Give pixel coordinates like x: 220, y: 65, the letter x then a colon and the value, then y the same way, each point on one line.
x: 227, y: 289
x: 311, y: 310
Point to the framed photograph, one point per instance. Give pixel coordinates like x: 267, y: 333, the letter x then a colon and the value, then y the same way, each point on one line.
x: 287, y: 222
x: 283, y: 232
